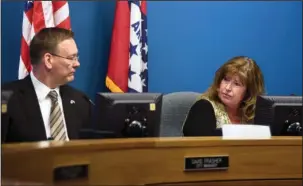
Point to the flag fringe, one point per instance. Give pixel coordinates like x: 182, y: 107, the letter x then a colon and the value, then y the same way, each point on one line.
x: 112, y: 86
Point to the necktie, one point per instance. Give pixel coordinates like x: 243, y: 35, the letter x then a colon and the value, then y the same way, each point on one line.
x: 56, y: 118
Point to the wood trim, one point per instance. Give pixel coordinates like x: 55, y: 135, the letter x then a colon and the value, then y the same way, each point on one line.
x: 297, y: 182
x: 110, y: 144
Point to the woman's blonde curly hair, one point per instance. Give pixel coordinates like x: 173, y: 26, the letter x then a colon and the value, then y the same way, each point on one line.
x: 250, y: 74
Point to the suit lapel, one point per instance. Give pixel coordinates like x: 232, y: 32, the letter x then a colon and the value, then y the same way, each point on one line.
x: 32, y: 109
x: 69, y: 112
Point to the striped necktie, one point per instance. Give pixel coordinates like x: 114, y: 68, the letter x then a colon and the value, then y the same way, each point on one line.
x: 56, y: 118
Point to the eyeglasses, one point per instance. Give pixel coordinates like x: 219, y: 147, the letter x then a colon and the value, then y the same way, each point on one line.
x: 76, y: 58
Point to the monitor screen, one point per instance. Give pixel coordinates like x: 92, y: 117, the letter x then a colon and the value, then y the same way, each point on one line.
x: 282, y: 113
x: 128, y: 114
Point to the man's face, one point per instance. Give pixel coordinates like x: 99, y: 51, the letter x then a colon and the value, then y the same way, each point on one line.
x: 64, y: 62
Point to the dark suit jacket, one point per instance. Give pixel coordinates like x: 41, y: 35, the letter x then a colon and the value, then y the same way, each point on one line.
x: 23, y: 121
x: 201, y: 120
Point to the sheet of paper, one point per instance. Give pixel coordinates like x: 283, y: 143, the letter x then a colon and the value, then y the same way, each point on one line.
x: 242, y: 131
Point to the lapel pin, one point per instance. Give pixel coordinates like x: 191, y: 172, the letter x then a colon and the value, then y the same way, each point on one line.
x: 72, y: 102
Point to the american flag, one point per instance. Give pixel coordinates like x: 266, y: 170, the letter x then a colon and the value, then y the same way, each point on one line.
x: 128, y: 69
x: 38, y: 15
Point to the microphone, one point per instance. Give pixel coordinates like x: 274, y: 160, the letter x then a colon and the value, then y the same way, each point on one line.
x: 91, y: 121
x: 89, y: 100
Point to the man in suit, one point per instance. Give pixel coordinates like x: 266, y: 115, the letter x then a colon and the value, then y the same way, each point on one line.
x: 42, y: 105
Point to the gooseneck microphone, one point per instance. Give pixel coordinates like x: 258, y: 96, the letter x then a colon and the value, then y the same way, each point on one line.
x: 89, y: 100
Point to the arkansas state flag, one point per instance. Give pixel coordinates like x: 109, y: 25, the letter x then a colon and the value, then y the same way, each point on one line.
x: 127, y: 68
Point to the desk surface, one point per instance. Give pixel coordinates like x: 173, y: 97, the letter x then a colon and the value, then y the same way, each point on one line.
x: 126, y: 143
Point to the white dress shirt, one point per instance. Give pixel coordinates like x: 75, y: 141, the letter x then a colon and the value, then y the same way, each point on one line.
x: 45, y: 103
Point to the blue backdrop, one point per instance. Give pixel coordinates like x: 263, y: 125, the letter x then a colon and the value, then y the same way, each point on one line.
x: 188, y: 41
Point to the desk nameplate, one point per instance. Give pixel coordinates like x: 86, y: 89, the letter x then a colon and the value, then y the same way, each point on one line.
x: 204, y: 163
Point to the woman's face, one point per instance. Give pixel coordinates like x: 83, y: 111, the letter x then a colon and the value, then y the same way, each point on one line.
x: 231, y: 91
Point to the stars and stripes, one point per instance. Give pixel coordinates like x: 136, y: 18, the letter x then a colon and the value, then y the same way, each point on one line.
x: 38, y: 15
x: 128, y: 62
